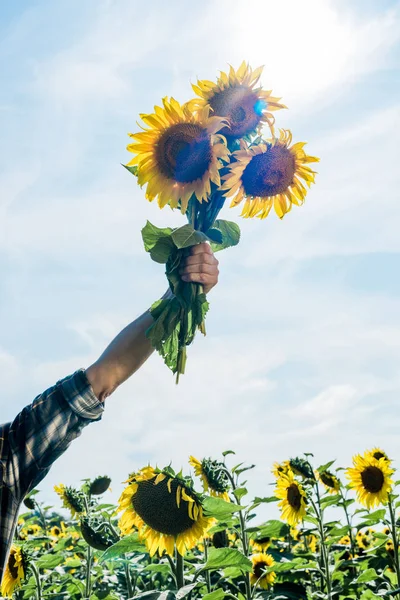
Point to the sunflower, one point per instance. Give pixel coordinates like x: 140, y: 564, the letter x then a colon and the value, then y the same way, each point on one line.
x: 236, y: 98
x: 30, y: 530
x: 59, y: 531
x: 293, y: 499
x: 258, y: 576
x: 345, y: 541
x: 213, y: 476
x: 71, y: 498
x: 363, y: 541
x: 178, y: 154
x: 370, y: 478
x: 269, y: 174
x: 389, y: 547
x: 279, y: 469
x: 330, y: 481
x: 165, y: 510
x: 260, y: 544
x: 14, y: 572
x: 378, y: 453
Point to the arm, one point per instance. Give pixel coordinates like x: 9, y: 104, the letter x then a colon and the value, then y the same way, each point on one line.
x: 42, y: 431
x: 131, y: 348
x: 45, y: 429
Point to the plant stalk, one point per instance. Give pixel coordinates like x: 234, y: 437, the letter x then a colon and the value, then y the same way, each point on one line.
x: 128, y: 579
x: 208, y: 578
x: 243, y: 533
x: 88, y: 569
x: 180, y: 581
x: 36, y: 575
x: 394, y: 538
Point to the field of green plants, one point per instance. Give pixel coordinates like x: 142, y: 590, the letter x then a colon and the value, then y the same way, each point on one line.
x: 173, y: 535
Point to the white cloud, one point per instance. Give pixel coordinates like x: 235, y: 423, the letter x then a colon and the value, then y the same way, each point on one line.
x: 289, y: 364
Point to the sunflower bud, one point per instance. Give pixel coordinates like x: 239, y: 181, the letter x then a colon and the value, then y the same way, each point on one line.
x: 97, y: 534
x: 30, y: 503
x: 220, y: 539
x: 71, y: 498
x: 99, y: 485
x: 301, y: 467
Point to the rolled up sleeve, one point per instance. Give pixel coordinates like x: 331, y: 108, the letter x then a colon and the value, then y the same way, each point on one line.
x: 44, y: 430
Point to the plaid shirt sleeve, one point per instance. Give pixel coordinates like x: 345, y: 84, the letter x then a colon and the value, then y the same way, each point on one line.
x: 45, y: 429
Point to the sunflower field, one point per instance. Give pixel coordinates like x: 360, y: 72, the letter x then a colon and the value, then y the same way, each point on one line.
x: 174, y: 535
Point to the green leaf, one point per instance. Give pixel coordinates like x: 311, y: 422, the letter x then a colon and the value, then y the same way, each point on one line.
x: 152, y: 234
x: 49, y: 561
x: 273, y: 529
x: 129, y: 543
x: 226, y: 452
x: 367, y: 575
x: 215, y: 595
x: 220, y: 558
x: 162, y: 250
x: 258, y: 500
x: 186, y: 236
x: 185, y: 590
x: 326, y: 466
x: 329, y: 501
x: 239, y: 493
x: 218, y: 508
x: 158, y: 568
x: 230, y: 234
x: 375, y: 517
x: 133, y: 170
x: 155, y: 595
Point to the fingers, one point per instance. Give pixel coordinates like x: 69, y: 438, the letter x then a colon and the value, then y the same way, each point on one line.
x: 205, y: 278
x: 201, y: 267
x: 200, y: 258
x: 204, y: 247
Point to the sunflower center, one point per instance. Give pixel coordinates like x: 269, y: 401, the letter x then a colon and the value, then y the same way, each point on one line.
x: 241, y: 106
x: 57, y: 531
x: 259, y: 569
x: 13, y: 566
x: 378, y: 455
x: 372, y: 479
x: 294, y: 496
x: 158, y: 508
x: 269, y: 173
x: 263, y: 540
x: 184, y: 152
x: 327, y: 480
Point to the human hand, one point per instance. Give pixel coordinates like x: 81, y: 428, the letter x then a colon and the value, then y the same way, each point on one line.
x: 201, y: 266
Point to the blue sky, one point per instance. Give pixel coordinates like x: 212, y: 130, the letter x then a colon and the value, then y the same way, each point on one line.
x: 303, y: 345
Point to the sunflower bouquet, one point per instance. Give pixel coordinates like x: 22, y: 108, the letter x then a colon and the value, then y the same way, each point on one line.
x: 192, y: 157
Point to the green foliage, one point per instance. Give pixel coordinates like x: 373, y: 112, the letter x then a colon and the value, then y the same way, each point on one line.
x: 221, y: 558
x: 345, y: 556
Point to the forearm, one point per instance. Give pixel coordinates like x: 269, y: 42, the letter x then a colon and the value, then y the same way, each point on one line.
x: 122, y: 357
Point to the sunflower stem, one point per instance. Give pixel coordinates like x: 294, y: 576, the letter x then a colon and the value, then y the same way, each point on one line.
x: 208, y: 578
x: 243, y: 533
x: 324, y: 553
x: 44, y: 524
x: 88, y: 569
x: 346, y: 512
x: 128, y: 579
x: 172, y: 566
x: 180, y: 581
x: 36, y: 575
x: 394, y: 538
